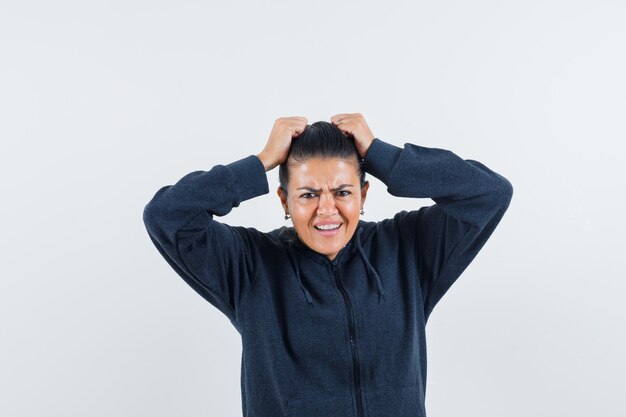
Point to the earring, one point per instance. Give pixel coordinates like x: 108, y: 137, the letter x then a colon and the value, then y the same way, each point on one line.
x: 362, y: 212
x: 287, y: 216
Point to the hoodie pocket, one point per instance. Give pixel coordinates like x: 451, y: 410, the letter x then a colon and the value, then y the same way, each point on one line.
x: 394, y: 401
x: 320, y: 407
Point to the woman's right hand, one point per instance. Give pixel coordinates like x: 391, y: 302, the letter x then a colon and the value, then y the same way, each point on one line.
x: 277, y: 146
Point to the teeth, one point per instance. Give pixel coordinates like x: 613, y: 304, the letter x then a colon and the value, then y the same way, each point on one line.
x: 327, y: 226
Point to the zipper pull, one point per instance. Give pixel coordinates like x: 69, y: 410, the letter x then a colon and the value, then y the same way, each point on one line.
x: 333, y: 265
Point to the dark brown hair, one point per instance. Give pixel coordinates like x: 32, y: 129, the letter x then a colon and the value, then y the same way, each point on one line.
x: 320, y: 140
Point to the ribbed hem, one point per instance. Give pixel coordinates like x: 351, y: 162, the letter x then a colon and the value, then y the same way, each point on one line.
x: 250, y: 178
x: 381, y: 158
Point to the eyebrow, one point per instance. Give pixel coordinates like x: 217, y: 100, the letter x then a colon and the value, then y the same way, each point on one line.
x: 313, y: 190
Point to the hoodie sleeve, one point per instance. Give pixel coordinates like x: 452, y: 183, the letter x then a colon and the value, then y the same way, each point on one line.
x: 470, y: 200
x: 215, y: 259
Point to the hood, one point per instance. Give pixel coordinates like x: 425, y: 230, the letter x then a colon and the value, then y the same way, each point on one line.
x: 354, y: 247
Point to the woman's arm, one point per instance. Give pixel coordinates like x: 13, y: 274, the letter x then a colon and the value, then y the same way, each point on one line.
x: 470, y: 201
x: 217, y: 260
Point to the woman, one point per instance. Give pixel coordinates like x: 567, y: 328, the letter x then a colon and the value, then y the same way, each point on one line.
x: 332, y: 311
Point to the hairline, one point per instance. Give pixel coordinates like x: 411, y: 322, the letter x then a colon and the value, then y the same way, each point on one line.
x: 291, y: 161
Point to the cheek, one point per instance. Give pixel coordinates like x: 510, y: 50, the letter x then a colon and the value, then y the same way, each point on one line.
x: 302, y: 213
x: 349, y: 209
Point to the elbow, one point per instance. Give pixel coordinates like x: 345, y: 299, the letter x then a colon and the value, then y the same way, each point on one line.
x: 498, y: 190
x: 501, y: 195
x: 150, y: 218
x: 504, y: 191
x: 153, y: 213
x: 153, y: 216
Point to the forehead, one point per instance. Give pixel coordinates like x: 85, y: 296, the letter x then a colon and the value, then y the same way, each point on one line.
x: 319, y: 171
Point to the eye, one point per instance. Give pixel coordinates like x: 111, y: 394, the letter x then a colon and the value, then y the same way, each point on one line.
x: 343, y: 193
x: 308, y: 195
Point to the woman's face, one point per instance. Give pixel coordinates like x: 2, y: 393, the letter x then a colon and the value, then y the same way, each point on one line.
x: 324, y: 199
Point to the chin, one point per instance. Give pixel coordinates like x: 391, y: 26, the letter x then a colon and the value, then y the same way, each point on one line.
x: 326, y: 246
x: 331, y: 249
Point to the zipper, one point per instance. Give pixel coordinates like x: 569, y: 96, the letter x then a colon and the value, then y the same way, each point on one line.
x: 351, y: 326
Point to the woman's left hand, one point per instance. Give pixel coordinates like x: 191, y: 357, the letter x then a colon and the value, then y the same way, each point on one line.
x: 353, y: 124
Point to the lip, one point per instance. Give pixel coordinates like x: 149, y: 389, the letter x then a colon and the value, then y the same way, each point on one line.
x: 329, y: 233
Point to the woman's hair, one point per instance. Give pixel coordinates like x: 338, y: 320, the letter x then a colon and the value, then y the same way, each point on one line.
x: 320, y: 140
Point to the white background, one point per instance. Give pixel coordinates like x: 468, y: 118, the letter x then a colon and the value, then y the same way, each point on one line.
x: 103, y: 103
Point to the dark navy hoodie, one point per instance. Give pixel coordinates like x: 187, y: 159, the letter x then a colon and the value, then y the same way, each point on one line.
x: 341, y: 338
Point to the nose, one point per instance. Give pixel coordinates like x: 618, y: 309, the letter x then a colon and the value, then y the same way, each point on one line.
x: 326, y: 206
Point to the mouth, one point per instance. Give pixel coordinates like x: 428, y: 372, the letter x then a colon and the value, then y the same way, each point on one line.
x: 328, y: 229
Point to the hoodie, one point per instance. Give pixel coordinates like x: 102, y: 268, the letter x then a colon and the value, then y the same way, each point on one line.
x: 340, y: 338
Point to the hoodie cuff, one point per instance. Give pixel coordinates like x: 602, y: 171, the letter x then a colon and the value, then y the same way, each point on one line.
x: 380, y: 159
x: 249, y: 177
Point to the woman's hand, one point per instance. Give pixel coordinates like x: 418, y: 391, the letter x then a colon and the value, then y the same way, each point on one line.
x: 353, y: 124
x: 277, y: 146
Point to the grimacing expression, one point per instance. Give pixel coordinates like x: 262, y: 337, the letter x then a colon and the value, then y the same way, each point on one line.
x: 324, y: 199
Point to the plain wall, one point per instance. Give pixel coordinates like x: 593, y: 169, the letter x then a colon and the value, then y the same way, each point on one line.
x: 103, y: 103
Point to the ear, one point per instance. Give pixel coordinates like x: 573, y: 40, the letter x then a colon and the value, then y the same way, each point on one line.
x: 364, y: 189
x: 283, y: 198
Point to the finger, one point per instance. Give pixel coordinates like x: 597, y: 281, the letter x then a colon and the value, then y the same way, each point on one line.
x: 343, y: 118
x: 345, y: 124
x: 339, y: 118
x: 342, y: 122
